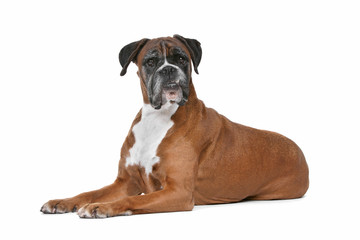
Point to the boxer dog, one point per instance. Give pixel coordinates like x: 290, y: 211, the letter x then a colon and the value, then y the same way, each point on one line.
x: 179, y: 153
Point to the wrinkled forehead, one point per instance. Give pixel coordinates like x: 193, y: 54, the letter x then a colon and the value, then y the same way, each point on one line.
x: 160, y: 47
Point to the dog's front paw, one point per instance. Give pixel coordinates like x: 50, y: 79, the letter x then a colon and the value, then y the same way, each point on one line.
x: 59, y: 206
x: 100, y: 210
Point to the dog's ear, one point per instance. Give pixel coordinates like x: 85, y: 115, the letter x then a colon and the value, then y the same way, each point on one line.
x: 194, y: 48
x: 129, y: 53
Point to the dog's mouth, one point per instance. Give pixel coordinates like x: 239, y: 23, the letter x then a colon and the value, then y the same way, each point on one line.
x: 161, y: 92
x: 172, y: 93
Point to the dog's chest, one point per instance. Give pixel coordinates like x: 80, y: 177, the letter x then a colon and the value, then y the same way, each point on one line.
x: 149, y: 133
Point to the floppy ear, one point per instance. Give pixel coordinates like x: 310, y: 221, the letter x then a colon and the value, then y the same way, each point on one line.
x: 194, y: 48
x: 129, y: 53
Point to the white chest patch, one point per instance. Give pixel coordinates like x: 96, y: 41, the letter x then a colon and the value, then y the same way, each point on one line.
x: 149, y: 133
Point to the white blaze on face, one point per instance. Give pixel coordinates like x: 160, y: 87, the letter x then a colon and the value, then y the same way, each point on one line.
x: 148, y: 134
x: 168, y: 64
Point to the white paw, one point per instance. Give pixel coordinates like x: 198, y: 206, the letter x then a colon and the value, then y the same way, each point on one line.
x: 59, y: 206
x: 46, y: 208
x: 87, y: 212
x: 98, y: 210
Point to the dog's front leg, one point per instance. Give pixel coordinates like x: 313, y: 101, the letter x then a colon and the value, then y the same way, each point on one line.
x: 109, y: 193
x: 177, y: 194
x: 166, y: 200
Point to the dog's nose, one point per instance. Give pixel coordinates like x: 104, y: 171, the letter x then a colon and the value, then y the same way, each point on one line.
x: 168, y: 70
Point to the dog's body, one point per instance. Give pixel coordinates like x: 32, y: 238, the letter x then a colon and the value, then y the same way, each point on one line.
x: 180, y: 153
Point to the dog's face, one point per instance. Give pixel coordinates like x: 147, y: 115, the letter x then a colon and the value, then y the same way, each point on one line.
x: 164, y: 67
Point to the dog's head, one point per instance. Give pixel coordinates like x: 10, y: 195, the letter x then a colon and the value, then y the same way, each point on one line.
x: 164, y: 67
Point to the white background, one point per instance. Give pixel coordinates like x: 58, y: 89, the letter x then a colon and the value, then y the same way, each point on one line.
x: 288, y: 66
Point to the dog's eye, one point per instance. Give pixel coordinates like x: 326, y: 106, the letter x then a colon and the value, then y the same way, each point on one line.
x: 182, y: 60
x: 150, y: 62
